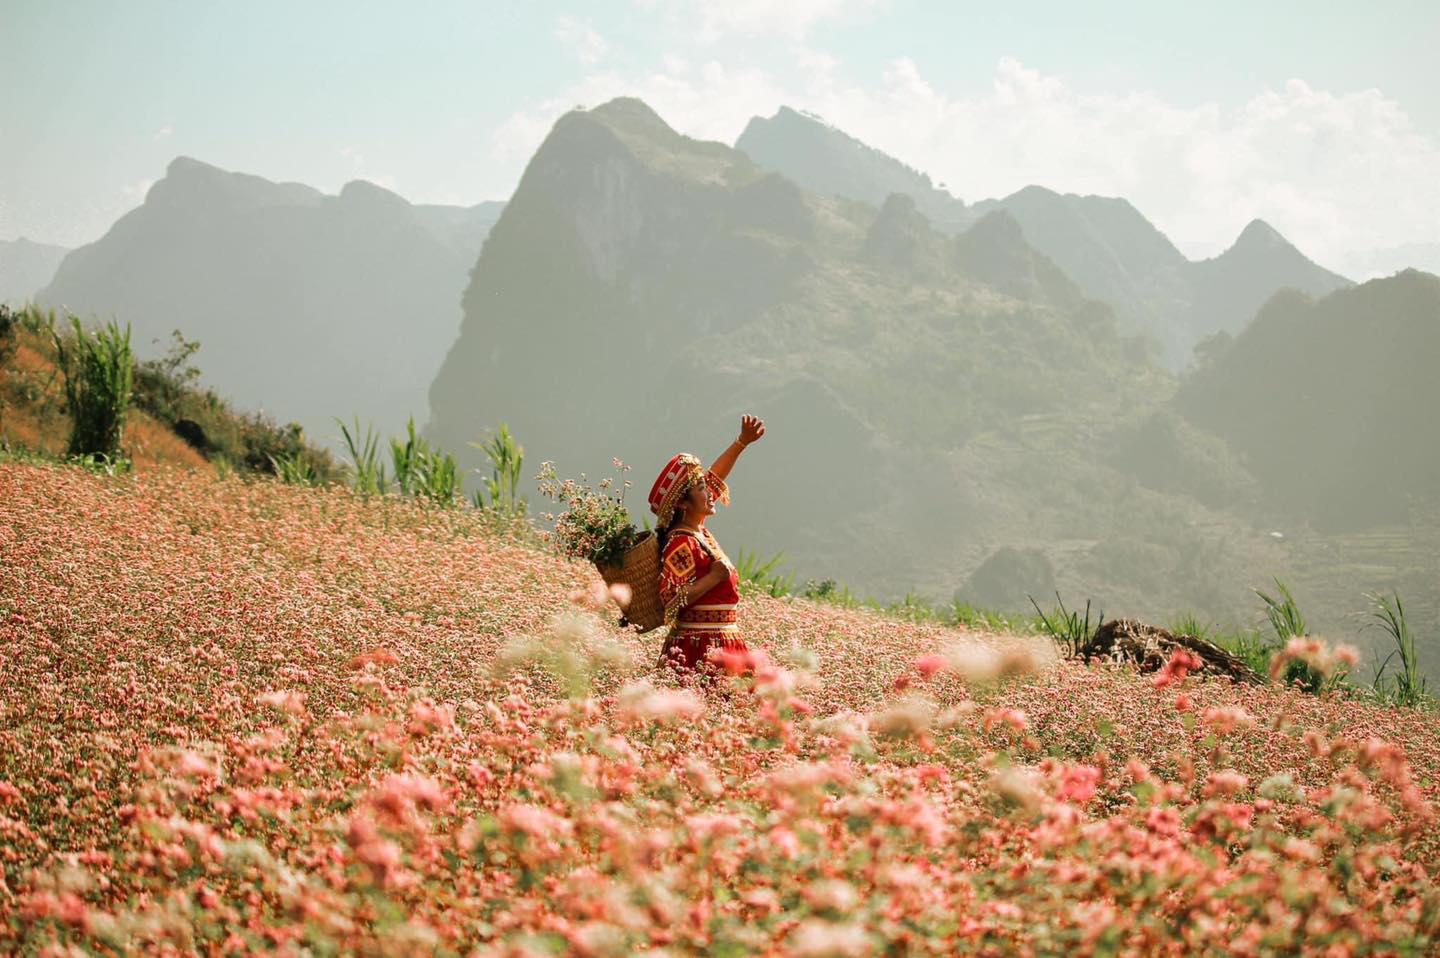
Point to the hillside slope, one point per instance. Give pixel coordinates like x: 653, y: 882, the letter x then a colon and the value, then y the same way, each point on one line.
x: 284, y: 715
x: 1346, y: 382
x: 33, y: 415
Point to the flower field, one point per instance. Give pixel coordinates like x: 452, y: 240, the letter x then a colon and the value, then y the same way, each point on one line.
x: 244, y: 717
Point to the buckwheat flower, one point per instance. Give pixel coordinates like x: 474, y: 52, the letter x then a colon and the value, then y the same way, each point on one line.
x: 1018, y: 786
x: 784, y: 840
x: 1315, y: 653
x: 194, y: 765
x: 1180, y: 663
x: 708, y: 827
x: 291, y: 702
x: 907, y: 718
x: 1279, y: 787
x: 1224, y: 782
x: 1014, y: 718
x: 643, y: 702
x: 764, y: 900
x: 1226, y: 719
x: 928, y: 665
x: 702, y: 777
x: 534, y: 821
x: 832, y: 895
x: 1078, y: 783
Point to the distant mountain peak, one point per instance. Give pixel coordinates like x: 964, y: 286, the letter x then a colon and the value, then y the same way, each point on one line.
x: 187, y: 178
x: 1259, y: 234
x: 1000, y: 227
x: 1035, y: 191
x: 182, y: 165
x: 827, y: 160
x: 370, y: 194
x: 628, y: 107
x: 631, y: 117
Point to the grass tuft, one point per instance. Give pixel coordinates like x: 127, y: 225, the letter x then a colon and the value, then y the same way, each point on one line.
x: 99, y: 372
x: 1066, y: 628
x: 1407, y: 686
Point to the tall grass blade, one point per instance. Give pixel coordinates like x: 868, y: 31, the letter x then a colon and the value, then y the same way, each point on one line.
x: 503, y: 484
x: 1408, y: 687
x: 368, y: 472
x: 1287, y: 622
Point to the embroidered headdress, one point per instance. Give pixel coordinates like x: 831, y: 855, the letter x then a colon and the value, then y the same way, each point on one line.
x: 674, y: 482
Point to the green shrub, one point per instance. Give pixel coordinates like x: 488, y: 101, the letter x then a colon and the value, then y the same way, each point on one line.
x: 99, y: 372
x: 294, y: 470
x: 828, y: 590
x: 8, y: 324
x: 965, y: 614
x: 103, y: 464
x: 163, y: 387
x: 169, y: 389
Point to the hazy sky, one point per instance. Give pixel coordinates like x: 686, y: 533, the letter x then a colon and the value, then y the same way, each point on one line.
x: 1320, y: 117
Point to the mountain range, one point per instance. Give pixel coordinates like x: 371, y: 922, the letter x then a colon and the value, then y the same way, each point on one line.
x: 929, y: 395
x: 306, y: 305
x: 1104, y: 244
x: 986, y: 400
x: 25, y: 267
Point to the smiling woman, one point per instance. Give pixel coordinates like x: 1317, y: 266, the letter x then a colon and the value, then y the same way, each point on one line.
x: 698, y: 583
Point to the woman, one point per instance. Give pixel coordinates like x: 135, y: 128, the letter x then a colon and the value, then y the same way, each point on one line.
x: 698, y: 582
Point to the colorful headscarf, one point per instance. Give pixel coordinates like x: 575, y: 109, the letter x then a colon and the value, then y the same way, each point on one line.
x: 674, y: 482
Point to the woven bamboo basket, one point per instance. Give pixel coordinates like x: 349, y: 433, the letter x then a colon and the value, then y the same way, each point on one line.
x: 639, y: 568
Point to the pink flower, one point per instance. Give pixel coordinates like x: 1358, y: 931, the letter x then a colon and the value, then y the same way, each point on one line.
x: 928, y: 665
x: 1078, y: 783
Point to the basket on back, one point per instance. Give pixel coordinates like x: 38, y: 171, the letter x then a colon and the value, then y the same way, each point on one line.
x: 639, y: 568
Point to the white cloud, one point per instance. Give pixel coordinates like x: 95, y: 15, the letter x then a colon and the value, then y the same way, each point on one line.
x: 1333, y: 172
x: 582, y: 39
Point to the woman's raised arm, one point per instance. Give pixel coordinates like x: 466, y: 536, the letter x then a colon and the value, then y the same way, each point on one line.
x: 751, y: 429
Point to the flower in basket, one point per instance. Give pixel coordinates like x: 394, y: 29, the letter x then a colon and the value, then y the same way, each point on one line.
x: 595, y: 525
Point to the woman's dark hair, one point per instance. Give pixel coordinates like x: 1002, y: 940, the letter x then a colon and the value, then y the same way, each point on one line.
x: 662, y: 533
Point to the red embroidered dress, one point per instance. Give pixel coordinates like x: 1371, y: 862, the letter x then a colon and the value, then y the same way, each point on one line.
x: 700, y: 623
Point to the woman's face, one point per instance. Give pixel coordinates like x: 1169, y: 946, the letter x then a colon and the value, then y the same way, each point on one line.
x: 698, y: 504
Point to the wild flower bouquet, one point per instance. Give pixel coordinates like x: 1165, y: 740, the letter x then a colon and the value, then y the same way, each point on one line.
x: 595, y: 525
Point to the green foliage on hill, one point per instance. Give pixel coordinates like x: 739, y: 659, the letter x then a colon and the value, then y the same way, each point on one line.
x: 1327, y: 401
x: 933, y: 397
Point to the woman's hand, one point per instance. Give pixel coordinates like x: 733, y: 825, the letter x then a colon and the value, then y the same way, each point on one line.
x: 751, y: 429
